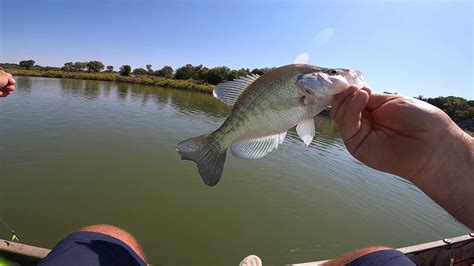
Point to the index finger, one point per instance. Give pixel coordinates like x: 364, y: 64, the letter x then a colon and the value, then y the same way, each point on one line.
x: 339, y: 98
x: 378, y: 99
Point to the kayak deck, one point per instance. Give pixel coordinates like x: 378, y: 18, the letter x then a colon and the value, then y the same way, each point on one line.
x: 21, y: 253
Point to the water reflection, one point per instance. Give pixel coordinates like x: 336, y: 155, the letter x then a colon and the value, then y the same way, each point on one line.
x: 122, y: 90
x: 91, y: 90
x: 107, y: 87
x: 325, y: 126
x: 142, y: 93
x: 72, y: 87
x: 191, y: 102
x: 23, y: 85
x: 186, y: 102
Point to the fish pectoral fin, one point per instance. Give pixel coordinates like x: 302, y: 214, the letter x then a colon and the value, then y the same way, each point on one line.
x: 228, y: 92
x: 258, y: 147
x: 306, y: 130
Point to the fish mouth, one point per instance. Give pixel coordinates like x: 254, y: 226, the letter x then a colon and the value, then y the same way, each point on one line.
x: 355, y: 78
x: 317, y: 83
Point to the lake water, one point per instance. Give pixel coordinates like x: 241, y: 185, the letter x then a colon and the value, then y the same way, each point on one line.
x: 75, y: 153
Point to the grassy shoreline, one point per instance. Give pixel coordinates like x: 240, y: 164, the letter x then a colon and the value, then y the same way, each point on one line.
x: 146, y: 80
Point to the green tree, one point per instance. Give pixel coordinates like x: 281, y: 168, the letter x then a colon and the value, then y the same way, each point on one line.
x: 69, y: 66
x: 453, y: 105
x: 184, y: 72
x: 217, y: 75
x: 456, y: 107
x: 259, y: 71
x: 125, y: 70
x: 244, y: 72
x: 196, y: 70
x: 110, y: 68
x: 166, y: 72
x: 234, y: 74
x: 95, y: 66
x: 420, y: 97
x: 79, y: 66
x: 202, y: 74
x: 27, y: 64
x: 139, y: 71
x: 149, y: 69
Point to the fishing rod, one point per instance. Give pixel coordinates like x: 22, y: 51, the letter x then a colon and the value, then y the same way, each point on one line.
x: 14, y: 236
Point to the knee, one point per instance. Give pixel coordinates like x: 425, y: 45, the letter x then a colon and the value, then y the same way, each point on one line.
x: 119, y: 234
x: 351, y: 256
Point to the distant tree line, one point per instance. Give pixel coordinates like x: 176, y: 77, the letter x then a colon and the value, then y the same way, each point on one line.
x: 459, y: 109
x: 198, y: 73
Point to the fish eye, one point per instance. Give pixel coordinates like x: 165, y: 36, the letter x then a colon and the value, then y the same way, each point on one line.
x: 333, y: 72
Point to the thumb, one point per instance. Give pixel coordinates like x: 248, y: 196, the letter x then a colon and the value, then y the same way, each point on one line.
x: 349, y: 113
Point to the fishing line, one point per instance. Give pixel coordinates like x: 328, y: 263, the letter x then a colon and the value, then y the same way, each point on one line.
x: 14, y: 236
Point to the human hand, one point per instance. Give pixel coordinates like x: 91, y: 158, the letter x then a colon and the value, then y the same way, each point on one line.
x: 391, y: 133
x: 412, y: 139
x: 7, y: 84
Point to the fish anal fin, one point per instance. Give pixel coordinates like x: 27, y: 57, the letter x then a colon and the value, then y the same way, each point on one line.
x: 257, y: 147
x: 306, y: 130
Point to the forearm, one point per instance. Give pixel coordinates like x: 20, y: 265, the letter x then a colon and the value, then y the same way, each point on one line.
x: 448, y: 178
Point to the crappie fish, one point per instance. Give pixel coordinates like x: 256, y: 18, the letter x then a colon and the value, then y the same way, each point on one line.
x: 263, y: 109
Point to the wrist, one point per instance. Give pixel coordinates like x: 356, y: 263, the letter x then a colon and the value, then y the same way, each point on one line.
x: 453, y: 155
x: 448, y: 177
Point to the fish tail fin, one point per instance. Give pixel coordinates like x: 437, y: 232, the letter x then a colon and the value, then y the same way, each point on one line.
x: 207, y: 154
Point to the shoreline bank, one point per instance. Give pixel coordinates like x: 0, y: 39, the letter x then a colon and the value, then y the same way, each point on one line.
x: 144, y: 80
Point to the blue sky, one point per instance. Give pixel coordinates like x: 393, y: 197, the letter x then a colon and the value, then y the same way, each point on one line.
x: 409, y: 47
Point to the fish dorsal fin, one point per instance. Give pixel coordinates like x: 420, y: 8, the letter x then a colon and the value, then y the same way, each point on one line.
x: 306, y: 130
x: 257, y: 148
x: 229, y: 91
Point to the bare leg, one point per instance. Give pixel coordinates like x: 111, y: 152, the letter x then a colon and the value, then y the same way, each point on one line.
x: 351, y: 256
x: 118, y: 233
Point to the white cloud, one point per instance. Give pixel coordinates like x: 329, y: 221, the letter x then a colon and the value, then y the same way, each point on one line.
x: 302, y: 58
x: 323, y: 37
